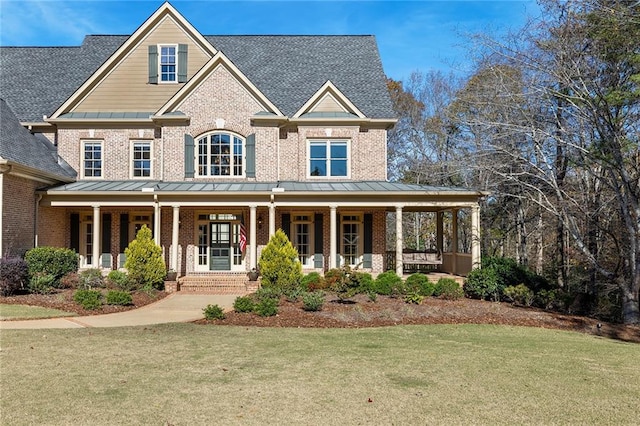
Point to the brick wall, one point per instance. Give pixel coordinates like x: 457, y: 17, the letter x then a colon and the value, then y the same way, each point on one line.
x: 18, y: 214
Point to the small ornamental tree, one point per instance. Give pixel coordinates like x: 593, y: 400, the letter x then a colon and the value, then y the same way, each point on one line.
x: 144, y: 261
x: 279, y: 265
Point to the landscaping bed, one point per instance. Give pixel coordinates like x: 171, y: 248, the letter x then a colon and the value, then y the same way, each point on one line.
x: 62, y: 299
x: 359, y: 312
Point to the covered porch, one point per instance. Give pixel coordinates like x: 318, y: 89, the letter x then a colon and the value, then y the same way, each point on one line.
x: 208, y: 228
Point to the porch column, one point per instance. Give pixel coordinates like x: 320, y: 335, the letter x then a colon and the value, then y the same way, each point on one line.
x: 399, y: 239
x: 439, y: 231
x: 175, y: 232
x: 333, y: 238
x: 475, y: 237
x: 454, y: 241
x: 95, y: 242
x: 156, y: 223
x: 272, y: 220
x: 252, y: 237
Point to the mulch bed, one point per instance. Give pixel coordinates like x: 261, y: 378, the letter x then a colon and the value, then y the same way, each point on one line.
x: 62, y: 299
x: 387, y: 311
x: 360, y: 312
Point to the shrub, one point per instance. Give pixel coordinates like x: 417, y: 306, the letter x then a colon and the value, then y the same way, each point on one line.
x: 88, y: 299
x: 14, y: 274
x: 448, y: 288
x: 293, y: 294
x: 483, y: 284
x: 42, y: 283
x: 144, y: 261
x: 91, y: 278
x: 372, y: 295
x: 313, y: 281
x: 420, y: 284
x: 268, y: 293
x: 313, y: 301
x: 266, y: 307
x: 213, y: 312
x: 365, y: 281
x: 387, y: 283
x: 344, y: 282
x: 117, y: 297
x: 51, y: 261
x: 119, y: 279
x: 510, y: 273
x: 519, y: 294
x: 71, y: 280
x: 243, y: 304
x: 414, y: 298
x: 279, y: 264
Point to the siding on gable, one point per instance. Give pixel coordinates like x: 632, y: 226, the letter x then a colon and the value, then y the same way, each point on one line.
x: 127, y: 88
x: 328, y: 104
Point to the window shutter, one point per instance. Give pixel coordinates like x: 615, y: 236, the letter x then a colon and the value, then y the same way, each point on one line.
x: 182, y: 63
x: 124, y: 231
x: 250, y: 170
x: 286, y: 224
x: 339, y: 243
x: 106, y: 233
x: 74, y: 228
x: 367, y: 259
x: 318, y: 241
x: 189, y: 156
x: 153, y: 64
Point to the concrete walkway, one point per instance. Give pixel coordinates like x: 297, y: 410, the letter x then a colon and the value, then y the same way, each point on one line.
x: 177, y: 307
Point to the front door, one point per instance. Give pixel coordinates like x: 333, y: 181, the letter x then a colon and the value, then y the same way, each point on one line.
x: 220, y: 248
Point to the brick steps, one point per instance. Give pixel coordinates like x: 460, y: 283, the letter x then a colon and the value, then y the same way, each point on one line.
x: 217, y: 283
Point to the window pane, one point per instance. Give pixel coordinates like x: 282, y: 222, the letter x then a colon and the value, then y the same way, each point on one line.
x: 318, y: 150
x: 339, y: 150
x: 338, y: 167
x: 318, y: 168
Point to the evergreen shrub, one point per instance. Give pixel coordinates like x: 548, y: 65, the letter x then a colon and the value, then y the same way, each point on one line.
x: 144, y: 261
x: 243, y: 304
x: 448, y: 288
x: 91, y: 278
x: 88, y: 299
x: 313, y: 281
x: 213, y: 312
x: 387, y: 283
x: 279, y: 264
x: 266, y: 307
x: 419, y: 284
x: 42, y: 283
x: 53, y: 261
x: 118, y: 297
x: 119, y: 280
x: 313, y: 301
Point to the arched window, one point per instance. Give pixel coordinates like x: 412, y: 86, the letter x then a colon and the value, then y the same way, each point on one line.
x: 220, y: 154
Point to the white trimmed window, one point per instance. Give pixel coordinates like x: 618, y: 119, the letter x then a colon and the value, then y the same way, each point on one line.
x: 302, y: 237
x: 328, y: 158
x: 141, y: 159
x: 168, y: 63
x: 220, y: 154
x: 92, y: 159
x: 351, y: 244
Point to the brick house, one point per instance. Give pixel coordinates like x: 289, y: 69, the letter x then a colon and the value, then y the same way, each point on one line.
x: 210, y: 140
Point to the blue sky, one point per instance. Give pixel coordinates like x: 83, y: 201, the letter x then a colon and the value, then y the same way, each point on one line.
x: 412, y: 35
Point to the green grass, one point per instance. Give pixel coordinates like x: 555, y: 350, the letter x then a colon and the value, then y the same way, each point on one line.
x: 187, y: 374
x: 30, y: 312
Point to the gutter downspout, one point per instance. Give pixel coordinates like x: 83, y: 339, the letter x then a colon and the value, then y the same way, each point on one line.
x: 35, y: 220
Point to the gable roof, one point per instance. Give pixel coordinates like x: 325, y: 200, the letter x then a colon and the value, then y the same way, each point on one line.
x: 19, y: 146
x: 288, y: 70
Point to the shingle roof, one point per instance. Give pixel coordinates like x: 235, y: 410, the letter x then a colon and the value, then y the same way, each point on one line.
x: 35, y: 81
x: 18, y: 145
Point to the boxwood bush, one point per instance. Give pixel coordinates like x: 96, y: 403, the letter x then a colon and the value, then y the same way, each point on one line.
x: 419, y: 284
x: 387, y: 283
x: 118, y: 297
x: 243, y: 304
x: 53, y: 261
x: 88, y: 299
x: 448, y: 288
x: 213, y: 312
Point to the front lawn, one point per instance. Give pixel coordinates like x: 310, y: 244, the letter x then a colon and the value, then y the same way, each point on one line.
x: 435, y: 374
x: 15, y: 312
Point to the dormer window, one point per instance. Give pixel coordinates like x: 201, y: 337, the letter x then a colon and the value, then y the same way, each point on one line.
x: 168, y: 64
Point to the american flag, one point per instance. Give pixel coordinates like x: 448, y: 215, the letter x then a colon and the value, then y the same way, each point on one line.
x: 243, y: 238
